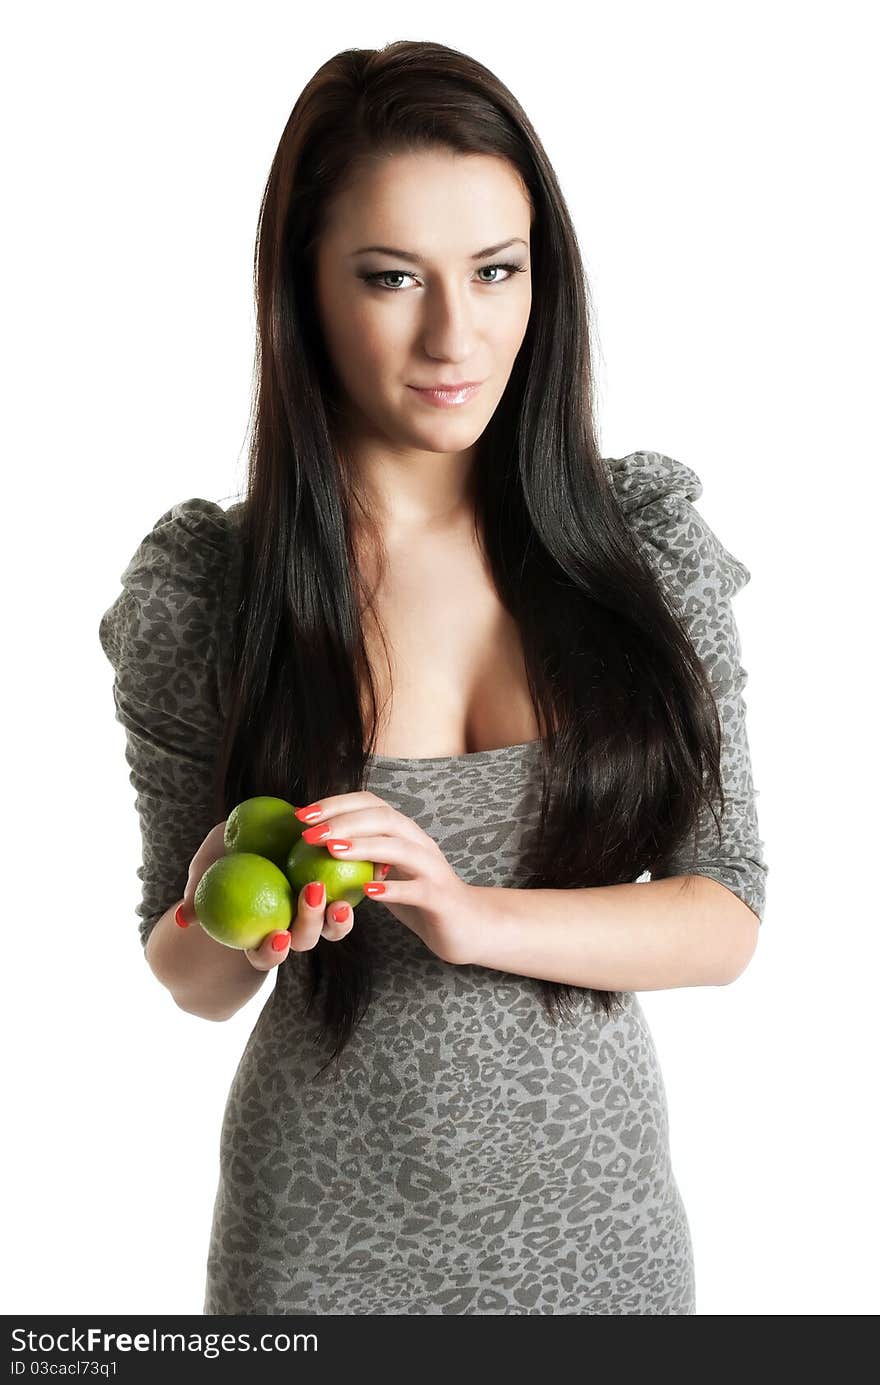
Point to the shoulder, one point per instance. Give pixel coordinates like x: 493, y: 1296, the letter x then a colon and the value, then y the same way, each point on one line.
x: 641, y: 478
x: 163, y: 628
x: 188, y: 542
x: 657, y: 496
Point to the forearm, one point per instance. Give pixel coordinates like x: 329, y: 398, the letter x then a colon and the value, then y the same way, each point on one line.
x: 205, y: 978
x: 683, y: 931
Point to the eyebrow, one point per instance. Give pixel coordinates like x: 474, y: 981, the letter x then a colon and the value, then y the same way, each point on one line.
x: 412, y: 258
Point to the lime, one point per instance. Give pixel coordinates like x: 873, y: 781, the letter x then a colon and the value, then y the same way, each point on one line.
x: 266, y: 826
x: 242, y: 898
x: 342, y: 879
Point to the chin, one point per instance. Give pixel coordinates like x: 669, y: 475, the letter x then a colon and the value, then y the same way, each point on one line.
x: 450, y: 438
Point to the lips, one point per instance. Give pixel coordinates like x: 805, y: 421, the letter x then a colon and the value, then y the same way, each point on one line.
x: 460, y: 385
x: 447, y: 397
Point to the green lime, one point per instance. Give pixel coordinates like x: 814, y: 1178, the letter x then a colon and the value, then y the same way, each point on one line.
x: 342, y: 879
x: 243, y: 898
x: 265, y: 826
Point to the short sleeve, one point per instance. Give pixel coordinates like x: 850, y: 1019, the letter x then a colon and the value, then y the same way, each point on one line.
x: 700, y: 578
x: 163, y: 637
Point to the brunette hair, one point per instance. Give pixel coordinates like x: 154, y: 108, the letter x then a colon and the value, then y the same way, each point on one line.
x: 630, y: 726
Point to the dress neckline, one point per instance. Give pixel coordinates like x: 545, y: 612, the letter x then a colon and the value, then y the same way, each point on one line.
x: 467, y: 757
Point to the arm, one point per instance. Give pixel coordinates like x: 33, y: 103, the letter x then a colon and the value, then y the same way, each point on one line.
x: 700, y: 578
x: 205, y: 978
x: 163, y: 635
x: 696, y: 922
x: 680, y: 931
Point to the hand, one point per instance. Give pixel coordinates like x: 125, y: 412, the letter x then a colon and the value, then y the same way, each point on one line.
x: 421, y: 890
x: 211, y: 850
x: 310, y: 923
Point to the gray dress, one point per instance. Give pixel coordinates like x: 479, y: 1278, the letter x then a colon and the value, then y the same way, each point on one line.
x: 470, y: 1158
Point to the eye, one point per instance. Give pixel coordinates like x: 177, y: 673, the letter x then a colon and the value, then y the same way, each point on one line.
x: 385, y: 274
x: 510, y: 268
x: 377, y: 276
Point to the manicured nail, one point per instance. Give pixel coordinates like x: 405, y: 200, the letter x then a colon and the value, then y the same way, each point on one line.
x: 374, y: 887
x: 337, y: 844
x: 280, y: 941
x: 178, y: 917
x: 316, y: 833
x: 339, y: 912
x: 384, y: 869
x: 314, y: 893
x: 309, y: 813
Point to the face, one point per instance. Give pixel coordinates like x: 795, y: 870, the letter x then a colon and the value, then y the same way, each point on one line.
x: 442, y: 313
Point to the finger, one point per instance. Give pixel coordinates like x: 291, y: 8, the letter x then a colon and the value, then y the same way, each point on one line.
x: 185, y: 914
x: 272, y: 950
x: 306, y: 927
x: 377, y: 820
x: 396, y: 891
x: 337, y: 803
x: 380, y: 870
x: 413, y: 857
x: 338, y: 921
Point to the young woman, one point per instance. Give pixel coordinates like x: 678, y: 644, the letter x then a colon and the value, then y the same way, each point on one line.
x: 501, y: 667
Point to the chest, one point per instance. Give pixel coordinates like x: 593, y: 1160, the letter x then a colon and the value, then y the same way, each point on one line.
x: 455, y: 680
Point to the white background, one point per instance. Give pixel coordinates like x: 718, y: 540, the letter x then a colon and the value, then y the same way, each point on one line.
x: 719, y: 166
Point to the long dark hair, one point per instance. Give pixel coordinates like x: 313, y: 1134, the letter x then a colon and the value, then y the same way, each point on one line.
x: 631, y: 734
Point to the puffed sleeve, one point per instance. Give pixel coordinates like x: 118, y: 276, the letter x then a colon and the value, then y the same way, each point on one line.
x: 700, y: 576
x: 163, y: 637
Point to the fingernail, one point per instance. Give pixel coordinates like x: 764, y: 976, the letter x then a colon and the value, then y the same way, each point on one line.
x: 339, y: 912
x: 384, y: 869
x: 314, y: 893
x: 178, y: 917
x: 309, y: 813
x: 374, y: 887
x: 315, y: 834
x: 280, y: 941
x: 337, y: 844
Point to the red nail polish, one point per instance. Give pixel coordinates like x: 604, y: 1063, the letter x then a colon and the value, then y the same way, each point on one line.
x: 309, y: 813
x: 178, y: 917
x: 280, y: 941
x: 339, y: 912
x: 384, y: 869
x: 314, y: 893
x: 374, y: 887
x: 337, y: 844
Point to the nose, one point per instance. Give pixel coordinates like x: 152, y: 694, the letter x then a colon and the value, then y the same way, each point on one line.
x: 448, y: 333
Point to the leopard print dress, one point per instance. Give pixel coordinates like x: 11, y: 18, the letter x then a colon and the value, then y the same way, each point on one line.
x: 467, y: 1157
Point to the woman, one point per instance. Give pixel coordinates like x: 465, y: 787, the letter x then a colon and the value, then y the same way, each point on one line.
x: 472, y: 651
